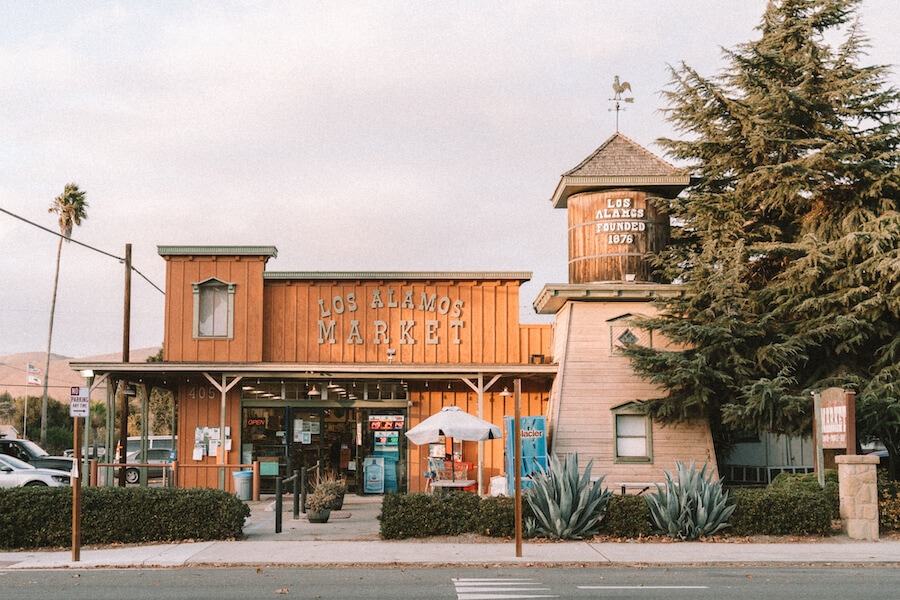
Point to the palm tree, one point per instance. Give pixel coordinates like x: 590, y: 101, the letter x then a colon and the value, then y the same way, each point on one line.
x: 70, y: 206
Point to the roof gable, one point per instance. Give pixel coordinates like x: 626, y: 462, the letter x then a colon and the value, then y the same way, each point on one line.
x: 620, y: 163
x: 620, y: 156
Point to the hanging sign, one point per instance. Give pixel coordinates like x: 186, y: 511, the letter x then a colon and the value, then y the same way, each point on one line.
x: 386, y: 422
x: 838, y: 424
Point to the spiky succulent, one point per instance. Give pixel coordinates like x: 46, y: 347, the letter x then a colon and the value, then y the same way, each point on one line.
x: 566, y: 505
x: 690, y: 505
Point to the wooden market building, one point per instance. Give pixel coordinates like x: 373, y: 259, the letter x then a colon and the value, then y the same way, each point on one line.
x: 296, y: 368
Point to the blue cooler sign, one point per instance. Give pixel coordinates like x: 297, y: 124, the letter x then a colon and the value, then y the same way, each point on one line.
x: 533, y: 436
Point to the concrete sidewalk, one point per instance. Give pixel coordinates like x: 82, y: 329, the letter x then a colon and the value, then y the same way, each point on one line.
x: 351, y: 538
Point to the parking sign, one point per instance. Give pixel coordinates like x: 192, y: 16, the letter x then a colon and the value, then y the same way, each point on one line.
x: 80, y: 402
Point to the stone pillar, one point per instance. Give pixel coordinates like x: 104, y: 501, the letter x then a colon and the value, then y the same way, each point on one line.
x: 859, y: 495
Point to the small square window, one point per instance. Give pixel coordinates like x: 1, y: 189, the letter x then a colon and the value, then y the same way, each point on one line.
x: 633, y: 439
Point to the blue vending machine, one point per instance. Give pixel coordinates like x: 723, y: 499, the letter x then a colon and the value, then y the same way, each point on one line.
x: 385, y: 431
x: 533, y: 432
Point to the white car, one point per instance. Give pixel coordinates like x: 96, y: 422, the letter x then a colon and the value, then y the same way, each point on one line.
x: 17, y: 473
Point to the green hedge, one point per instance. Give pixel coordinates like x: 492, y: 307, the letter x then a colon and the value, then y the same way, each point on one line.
x: 780, y: 511
x: 888, y: 503
x: 776, y: 510
x: 42, y: 517
x: 424, y: 515
x: 810, y: 483
x: 627, y: 517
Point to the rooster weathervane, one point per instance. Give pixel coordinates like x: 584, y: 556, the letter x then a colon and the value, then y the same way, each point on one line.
x: 620, y: 88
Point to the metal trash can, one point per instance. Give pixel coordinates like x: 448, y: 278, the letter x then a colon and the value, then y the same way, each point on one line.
x: 243, y: 484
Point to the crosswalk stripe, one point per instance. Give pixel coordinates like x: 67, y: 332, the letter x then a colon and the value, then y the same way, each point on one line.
x: 501, y: 596
x: 498, y: 589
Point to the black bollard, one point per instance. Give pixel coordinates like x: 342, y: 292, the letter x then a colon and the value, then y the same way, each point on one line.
x: 278, y: 505
x: 303, y: 490
x: 296, y: 482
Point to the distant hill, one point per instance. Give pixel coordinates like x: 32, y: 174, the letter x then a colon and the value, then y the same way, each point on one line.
x: 14, y: 371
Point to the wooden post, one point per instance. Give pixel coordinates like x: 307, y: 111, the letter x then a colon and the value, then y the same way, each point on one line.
x: 517, y: 442
x: 817, y: 439
x: 126, y: 357
x: 850, y: 399
x: 76, y: 495
x: 256, y: 481
x: 123, y: 432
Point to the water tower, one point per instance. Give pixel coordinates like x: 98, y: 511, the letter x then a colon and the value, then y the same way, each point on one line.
x: 616, y: 200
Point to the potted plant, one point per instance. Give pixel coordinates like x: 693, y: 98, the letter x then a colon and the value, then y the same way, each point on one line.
x: 334, y: 486
x: 318, y: 505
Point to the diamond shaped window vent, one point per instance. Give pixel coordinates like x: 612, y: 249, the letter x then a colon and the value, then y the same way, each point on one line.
x: 627, y: 337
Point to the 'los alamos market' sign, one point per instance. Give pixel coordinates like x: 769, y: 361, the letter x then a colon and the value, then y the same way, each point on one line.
x: 429, y: 328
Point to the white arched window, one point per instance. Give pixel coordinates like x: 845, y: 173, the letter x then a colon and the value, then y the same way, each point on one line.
x: 213, y: 309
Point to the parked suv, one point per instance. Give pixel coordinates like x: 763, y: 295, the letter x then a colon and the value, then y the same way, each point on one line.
x: 34, y: 455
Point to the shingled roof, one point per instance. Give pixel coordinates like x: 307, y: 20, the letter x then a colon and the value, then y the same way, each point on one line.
x: 620, y: 162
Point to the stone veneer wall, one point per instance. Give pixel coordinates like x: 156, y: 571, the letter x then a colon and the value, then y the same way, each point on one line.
x: 859, y: 496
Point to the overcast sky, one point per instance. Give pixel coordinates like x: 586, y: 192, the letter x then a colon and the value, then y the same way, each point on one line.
x: 352, y: 136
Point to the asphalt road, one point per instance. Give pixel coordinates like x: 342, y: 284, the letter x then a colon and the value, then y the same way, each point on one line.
x: 681, y: 583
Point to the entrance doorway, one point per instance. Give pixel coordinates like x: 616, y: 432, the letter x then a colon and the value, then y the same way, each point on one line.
x: 341, y: 441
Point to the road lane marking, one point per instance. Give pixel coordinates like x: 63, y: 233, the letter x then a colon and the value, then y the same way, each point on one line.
x: 643, y: 587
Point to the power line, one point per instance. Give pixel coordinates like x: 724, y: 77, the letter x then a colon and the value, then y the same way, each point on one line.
x: 97, y: 250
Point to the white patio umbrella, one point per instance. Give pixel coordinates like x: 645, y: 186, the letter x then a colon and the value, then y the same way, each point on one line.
x: 453, y: 423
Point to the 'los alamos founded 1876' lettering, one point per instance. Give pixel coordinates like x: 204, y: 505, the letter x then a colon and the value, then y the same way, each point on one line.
x: 408, y: 331
x: 614, y: 221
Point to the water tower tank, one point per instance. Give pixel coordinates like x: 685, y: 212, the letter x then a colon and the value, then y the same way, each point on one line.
x: 616, y: 201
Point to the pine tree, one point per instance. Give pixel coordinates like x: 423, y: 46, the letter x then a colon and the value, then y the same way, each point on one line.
x: 788, y: 238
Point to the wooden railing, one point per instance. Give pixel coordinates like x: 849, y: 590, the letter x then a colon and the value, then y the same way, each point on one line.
x: 172, y: 467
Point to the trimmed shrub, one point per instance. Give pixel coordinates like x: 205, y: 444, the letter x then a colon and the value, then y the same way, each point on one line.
x: 810, y: 483
x: 627, y: 517
x: 497, y: 516
x: 423, y: 515
x: 42, y: 517
x: 417, y: 515
x: 781, y: 510
x: 888, y: 503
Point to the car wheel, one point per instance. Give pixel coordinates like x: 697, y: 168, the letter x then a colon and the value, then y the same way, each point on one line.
x: 35, y: 484
x: 132, y: 476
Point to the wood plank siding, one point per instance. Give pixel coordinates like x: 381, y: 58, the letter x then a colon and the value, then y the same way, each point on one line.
x: 424, y: 322
x: 611, y: 232
x: 320, y: 321
x: 246, y: 273
x: 593, y: 379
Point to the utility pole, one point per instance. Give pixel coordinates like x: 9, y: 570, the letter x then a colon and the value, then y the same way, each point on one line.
x: 126, y: 345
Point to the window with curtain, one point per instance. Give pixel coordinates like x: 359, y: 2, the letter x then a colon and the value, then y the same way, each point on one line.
x: 213, y: 309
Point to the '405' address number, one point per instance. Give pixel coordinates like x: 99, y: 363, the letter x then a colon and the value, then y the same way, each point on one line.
x: 202, y: 392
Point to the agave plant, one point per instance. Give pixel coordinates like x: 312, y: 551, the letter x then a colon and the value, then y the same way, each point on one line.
x: 690, y: 507
x: 566, y: 505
